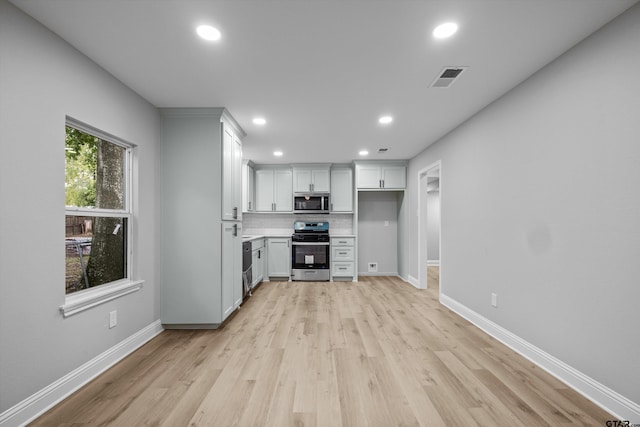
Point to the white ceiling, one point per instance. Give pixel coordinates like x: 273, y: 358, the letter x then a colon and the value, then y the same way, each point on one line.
x: 322, y: 71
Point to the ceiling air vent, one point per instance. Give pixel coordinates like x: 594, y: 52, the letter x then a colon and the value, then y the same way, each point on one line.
x: 382, y: 150
x: 447, y: 76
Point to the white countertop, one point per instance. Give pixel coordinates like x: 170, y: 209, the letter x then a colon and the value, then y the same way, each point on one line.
x: 250, y: 237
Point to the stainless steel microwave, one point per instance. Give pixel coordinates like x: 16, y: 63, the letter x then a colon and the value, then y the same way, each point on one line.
x: 312, y: 203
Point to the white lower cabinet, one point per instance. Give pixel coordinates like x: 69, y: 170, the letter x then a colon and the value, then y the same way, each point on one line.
x: 279, y: 256
x: 257, y: 261
x: 231, y: 267
x: 343, y: 258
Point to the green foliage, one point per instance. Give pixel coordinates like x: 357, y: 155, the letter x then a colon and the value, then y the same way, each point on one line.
x: 81, y: 151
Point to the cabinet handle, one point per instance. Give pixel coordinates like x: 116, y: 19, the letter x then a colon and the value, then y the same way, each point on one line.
x: 235, y: 213
x: 249, y: 203
x: 383, y: 183
x: 235, y: 230
x: 342, y: 253
x: 259, y: 253
x: 380, y: 183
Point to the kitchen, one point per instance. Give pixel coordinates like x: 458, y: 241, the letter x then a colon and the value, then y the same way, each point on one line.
x: 298, y: 221
x: 538, y: 172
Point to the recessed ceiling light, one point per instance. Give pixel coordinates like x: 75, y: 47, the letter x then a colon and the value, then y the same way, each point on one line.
x: 364, y: 153
x: 445, y: 30
x: 208, y: 32
x: 259, y: 121
x: 385, y: 120
x: 278, y: 153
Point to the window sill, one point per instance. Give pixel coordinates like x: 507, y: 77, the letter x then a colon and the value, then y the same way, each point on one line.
x: 82, y: 301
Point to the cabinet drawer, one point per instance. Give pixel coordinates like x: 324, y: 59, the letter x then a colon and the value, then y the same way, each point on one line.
x: 257, y: 244
x: 342, y: 269
x: 343, y: 241
x: 342, y: 253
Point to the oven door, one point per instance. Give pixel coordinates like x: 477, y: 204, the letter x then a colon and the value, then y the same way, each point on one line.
x: 310, y: 255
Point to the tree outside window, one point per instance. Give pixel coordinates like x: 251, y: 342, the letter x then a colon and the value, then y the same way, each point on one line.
x: 97, y: 208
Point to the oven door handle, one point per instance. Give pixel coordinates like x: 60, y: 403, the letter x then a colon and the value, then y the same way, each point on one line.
x: 310, y: 243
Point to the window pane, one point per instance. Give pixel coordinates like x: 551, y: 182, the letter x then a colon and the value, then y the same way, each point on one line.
x: 96, y: 251
x: 95, y: 171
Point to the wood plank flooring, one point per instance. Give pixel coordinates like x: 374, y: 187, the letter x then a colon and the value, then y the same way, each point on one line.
x: 374, y: 353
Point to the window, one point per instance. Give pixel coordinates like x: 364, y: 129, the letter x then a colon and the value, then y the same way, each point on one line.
x: 98, y: 216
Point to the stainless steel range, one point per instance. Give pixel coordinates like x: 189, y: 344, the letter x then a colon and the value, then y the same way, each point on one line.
x: 310, y: 251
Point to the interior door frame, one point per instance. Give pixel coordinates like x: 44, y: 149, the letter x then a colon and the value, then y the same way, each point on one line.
x: 423, y: 175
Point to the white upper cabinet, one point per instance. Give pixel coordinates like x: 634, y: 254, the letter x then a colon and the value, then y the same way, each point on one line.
x: 248, y: 187
x: 311, y: 179
x: 381, y: 176
x: 231, y: 174
x: 394, y: 176
x: 273, y: 190
x: 264, y: 190
x: 341, y: 189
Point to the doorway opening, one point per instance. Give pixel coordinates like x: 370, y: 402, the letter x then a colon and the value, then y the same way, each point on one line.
x: 429, y: 224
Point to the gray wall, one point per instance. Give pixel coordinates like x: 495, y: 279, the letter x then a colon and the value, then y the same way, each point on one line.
x: 533, y: 187
x: 378, y: 242
x: 42, y: 79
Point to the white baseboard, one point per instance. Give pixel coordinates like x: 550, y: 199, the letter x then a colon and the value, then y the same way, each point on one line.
x: 43, y: 400
x: 609, y: 400
x: 415, y: 282
x: 377, y: 273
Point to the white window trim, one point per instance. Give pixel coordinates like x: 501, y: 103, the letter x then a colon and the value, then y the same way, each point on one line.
x: 80, y: 301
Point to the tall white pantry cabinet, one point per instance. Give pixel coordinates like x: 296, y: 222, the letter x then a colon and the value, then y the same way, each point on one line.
x: 201, y: 213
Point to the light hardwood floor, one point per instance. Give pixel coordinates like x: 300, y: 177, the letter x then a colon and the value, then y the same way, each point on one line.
x: 374, y: 353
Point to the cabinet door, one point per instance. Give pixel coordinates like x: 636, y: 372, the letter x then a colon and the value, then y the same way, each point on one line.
x: 341, y: 190
x: 260, y: 267
x: 248, y: 184
x: 237, y: 178
x: 255, y: 256
x: 251, y: 197
x: 264, y: 190
x: 368, y: 176
x: 283, y: 190
x: 301, y: 180
x: 320, y: 179
x: 237, y: 282
x: 231, y: 175
x: 279, y: 250
x: 394, y: 176
x: 228, y: 197
x: 228, y: 273
x: 257, y: 266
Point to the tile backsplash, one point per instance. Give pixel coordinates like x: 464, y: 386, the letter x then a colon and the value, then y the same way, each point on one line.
x: 282, y: 224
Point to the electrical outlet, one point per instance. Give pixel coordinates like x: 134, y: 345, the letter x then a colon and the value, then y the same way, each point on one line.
x: 113, y: 319
x: 494, y: 300
x: 372, y: 267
